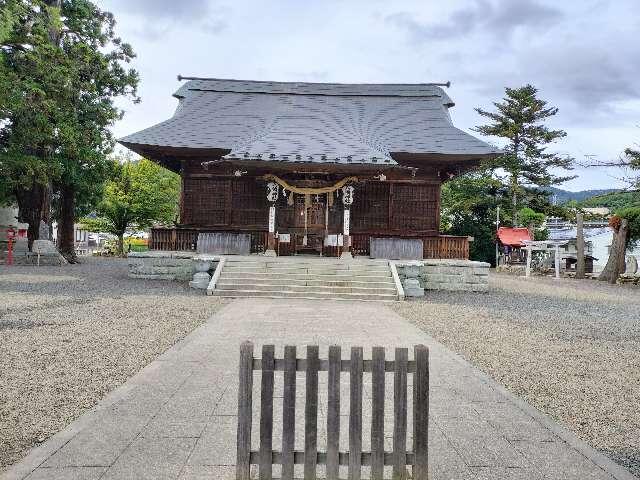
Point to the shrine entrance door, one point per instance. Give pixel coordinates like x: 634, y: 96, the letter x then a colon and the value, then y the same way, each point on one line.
x: 306, y: 224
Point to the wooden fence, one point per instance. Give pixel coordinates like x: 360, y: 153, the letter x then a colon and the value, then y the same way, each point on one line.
x: 399, y: 458
x: 446, y: 246
x: 443, y: 246
x: 172, y: 239
x: 186, y: 239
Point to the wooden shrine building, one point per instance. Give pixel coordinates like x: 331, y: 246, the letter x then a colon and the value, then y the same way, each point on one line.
x: 311, y: 167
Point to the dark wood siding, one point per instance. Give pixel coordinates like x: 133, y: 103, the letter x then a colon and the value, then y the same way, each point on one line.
x: 415, y: 207
x: 396, y: 208
x: 370, y: 209
x: 205, y: 202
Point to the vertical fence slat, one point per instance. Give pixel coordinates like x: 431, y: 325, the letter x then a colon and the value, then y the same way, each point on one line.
x: 311, y: 414
x: 421, y: 413
x: 266, y: 413
x: 243, y: 466
x: 333, y: 413
x: 400, y: 414
x: 289, y: 412
x: 377, y: 413
x: 355, y: 414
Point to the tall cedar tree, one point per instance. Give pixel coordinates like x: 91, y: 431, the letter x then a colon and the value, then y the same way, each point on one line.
x: 519, y: 119
x: 74, y: 66
x: 28, y: 112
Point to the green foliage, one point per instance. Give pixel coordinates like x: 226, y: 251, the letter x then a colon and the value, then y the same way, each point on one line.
x: 519, y: 119
x: 632, y: 214
x: 541, y: 234
x: 60, y: 70
x: 469, y: 207
x: 139, y: 194
x: 530, y: 217
x: 613, y: 201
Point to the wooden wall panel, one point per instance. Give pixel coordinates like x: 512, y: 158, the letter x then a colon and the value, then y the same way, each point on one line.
x: 204, y: 201
x: 249, y: 206
x: 370, y: 209
x: 415, y: 207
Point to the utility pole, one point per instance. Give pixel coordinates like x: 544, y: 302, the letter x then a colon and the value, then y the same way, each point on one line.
x: 580, y: 265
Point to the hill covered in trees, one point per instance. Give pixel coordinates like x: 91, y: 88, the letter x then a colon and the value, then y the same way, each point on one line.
x: 564, y: 196
x: 613, y: 200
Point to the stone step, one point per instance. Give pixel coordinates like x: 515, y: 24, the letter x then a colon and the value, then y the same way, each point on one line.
x: 330, y: 280
x: 306, y: 294
x: 310, y: 270
x: 222, y: 285
x: 277, y: 264
x: 307, y: 276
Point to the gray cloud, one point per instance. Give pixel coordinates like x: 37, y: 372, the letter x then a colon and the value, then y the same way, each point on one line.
x: 161, y: 16
x: 189, y: 10
x: 498, y: 19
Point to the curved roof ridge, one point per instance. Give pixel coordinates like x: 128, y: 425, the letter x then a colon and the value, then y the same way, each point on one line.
x: 311, y: 88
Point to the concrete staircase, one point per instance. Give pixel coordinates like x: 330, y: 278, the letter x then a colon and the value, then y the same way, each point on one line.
x: 306, y: 277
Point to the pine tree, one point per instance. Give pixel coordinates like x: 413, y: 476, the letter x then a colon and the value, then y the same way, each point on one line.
x: 526, y: 163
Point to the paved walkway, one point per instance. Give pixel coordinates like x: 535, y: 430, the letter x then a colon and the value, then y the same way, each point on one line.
x: 175, y: 419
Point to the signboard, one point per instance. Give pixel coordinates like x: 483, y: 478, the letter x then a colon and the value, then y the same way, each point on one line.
x: 284, y: 238
x: 272, y: 219
x: 346, y: 222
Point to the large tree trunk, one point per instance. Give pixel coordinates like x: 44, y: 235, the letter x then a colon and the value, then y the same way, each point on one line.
x: 33, y: 205
x: 66, y: 221
x: 615, y: 265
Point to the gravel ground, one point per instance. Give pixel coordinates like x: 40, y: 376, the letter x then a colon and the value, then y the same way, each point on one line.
x: 69, y: 335
x: 570, y: 348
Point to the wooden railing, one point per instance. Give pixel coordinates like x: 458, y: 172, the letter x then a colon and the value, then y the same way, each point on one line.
x: 443, y: 246
x: 186, y: 239
x: 282, y: 451
x: 446, y: 246
x: 180, y: 239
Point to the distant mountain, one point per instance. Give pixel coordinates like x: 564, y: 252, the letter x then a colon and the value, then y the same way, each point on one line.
x: 614, y: 201
x: 564, y: 196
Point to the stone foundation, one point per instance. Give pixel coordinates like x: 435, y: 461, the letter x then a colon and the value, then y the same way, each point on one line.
x: 161, y: 265
x: 450, y: 275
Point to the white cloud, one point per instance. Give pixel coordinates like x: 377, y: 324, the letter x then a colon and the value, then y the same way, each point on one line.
x: 580, y: 54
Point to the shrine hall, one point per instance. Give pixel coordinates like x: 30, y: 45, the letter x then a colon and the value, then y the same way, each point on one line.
x: 321, y: 169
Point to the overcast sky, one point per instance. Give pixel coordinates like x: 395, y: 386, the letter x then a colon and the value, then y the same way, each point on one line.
x: 583, y: 56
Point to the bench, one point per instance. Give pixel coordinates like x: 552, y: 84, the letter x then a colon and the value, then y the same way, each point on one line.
x: 354, y: 459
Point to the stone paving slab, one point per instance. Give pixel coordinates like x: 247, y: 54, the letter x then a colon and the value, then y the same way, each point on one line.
x: 176, y: 419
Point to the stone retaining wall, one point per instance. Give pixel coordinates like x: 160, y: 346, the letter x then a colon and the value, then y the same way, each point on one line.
x: 161, y: 265
x: 451, y: 275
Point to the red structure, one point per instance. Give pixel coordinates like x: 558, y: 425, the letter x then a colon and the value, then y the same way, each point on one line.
x: 11, y: 235
x: 513, y: 237
x: 311, y: 168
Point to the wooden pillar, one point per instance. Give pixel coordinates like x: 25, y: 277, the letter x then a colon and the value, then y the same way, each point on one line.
x: 346, y: 238
x: 272, y: 195
x: 557, y: 262
x: 580, y: 264
x: 271, y: 236
x: 529, y: 252
x: 347, y: 200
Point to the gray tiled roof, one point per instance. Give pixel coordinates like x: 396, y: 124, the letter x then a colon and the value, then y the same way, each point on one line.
x: 311, y: 122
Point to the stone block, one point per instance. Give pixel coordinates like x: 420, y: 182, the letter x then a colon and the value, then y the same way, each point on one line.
x: 432, y: 286
x: 412, y: 288
x: 478, y: 287
x: 200, y: 280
